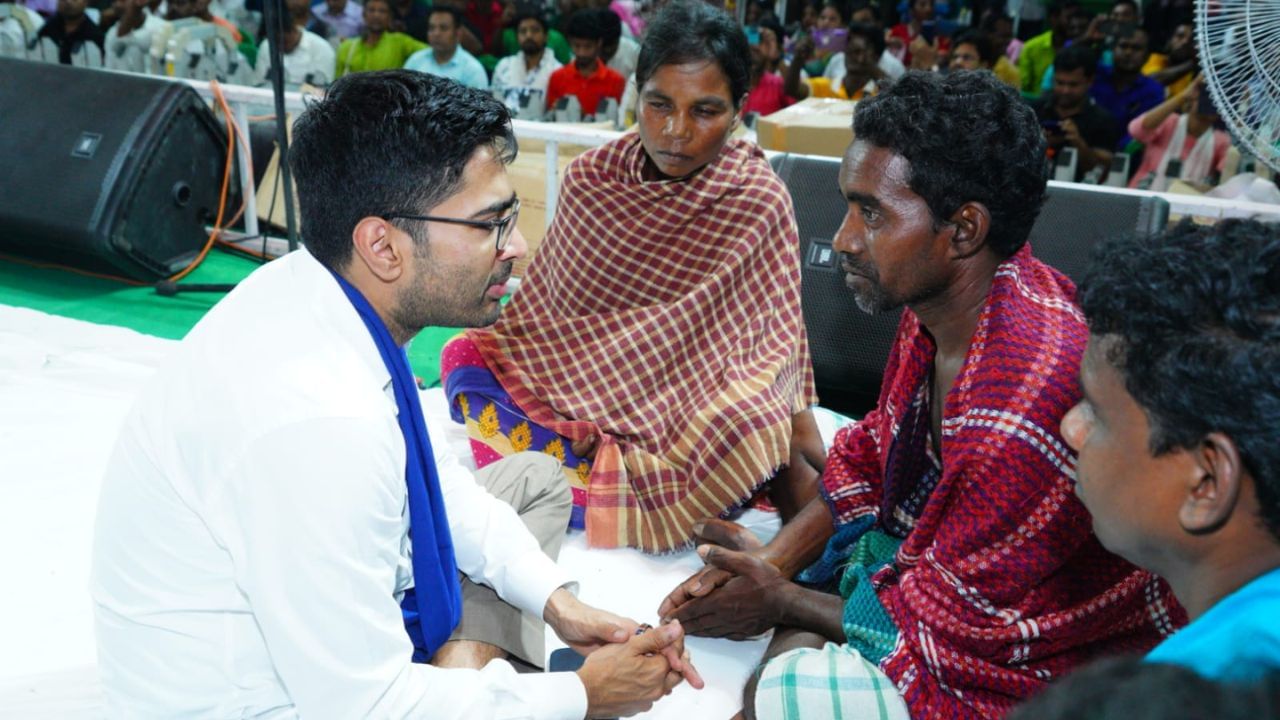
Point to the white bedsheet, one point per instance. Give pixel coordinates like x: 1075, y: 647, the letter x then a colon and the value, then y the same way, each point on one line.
x: 65, y: 386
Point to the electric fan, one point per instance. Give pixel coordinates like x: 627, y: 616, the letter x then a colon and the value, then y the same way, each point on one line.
x: 1239, y: 46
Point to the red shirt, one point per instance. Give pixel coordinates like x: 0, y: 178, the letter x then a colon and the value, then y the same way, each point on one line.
x: 767, y: 97
x: 590, y: 89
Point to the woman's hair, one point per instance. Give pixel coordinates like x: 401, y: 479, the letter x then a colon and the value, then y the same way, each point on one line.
x: 689, y: 31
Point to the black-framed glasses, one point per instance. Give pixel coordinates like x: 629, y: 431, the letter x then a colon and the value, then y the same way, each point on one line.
x: 504, y: 225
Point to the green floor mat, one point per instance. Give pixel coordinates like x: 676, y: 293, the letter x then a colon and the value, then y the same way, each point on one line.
x: 60, y: 292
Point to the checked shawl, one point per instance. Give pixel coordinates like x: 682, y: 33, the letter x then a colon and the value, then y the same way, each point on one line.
x: 663, y: 317
x: 999, y: 585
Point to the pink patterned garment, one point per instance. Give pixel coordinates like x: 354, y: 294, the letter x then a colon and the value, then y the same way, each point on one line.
x: 1000, y: 585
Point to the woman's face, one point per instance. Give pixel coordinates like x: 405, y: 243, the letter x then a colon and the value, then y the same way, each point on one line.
x: 829, y: 18
x: 685, y: 115
x: 922, y: 10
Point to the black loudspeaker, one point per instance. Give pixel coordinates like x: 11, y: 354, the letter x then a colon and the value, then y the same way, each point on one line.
x: 849, y: 347
x: 108, y: 172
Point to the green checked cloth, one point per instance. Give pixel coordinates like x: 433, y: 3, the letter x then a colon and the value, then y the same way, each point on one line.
x: 828, y: 684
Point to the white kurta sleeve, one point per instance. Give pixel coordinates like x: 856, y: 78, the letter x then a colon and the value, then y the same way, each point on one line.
x: 314, y: 524
x: 492, y: 544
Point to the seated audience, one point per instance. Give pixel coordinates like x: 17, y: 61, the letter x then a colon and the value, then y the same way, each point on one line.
x: 862, y: 77
x: 656, y: 346
x: 999, y: 27
x: 410, y: 17
x: 767, y: 94
x: 72, y: 30
x: 446, y: 57
x: 292, y: 545
x: 587, y: 77
x: 1180, y: 130
x: 1178, y: 433
x: 520, y: 81
x: 981, y: 52
x: 308, y: 58
x: 1039, y: 52
x: 966, y: 570
x: 1122, y: 90
x: 1126, y: 688
x: 129, y: 39
x: 891, y: 66
x: 616, y: 50
x: 377, y: 48
x: 343, y: 17
x: 1178, y: 65
x: 919, y: 33
x: 180, y: 9
x: 556, y: 41
x: 1071, y: 118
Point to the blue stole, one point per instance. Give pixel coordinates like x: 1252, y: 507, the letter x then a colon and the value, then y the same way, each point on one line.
x: 433, y: 607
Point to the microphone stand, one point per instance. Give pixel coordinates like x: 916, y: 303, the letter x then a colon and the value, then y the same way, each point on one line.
x: 274, y: 17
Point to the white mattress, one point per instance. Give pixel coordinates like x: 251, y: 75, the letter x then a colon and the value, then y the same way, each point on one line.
x: 65, y: 386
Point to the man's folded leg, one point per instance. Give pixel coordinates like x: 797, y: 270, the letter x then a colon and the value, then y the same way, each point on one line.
x: 534, y: 485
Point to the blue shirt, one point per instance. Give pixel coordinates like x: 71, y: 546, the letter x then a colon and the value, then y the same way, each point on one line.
x: 462, y: 67
x: 1125, y: 105
x: 1237, y: 640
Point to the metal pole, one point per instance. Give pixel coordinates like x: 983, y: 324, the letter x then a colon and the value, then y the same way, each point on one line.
x: 275, y: 18
x: 247, y: 188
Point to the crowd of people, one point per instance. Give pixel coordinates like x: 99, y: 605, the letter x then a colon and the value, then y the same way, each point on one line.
x: 1052, y: 476
x: 1121, y: 82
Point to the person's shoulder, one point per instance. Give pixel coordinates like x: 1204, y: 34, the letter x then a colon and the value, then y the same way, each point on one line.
x: 608, y: 73
x: 419, y: 59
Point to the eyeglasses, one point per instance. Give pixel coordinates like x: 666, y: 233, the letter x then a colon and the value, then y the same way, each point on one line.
x: 504, y: 225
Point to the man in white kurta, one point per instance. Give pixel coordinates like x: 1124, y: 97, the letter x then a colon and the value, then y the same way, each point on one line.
x: 252, y: 543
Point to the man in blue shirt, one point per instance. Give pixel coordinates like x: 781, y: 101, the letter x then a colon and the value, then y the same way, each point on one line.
x: 1122, y: 89
x: 1178, y: 433
x: 445, y: 57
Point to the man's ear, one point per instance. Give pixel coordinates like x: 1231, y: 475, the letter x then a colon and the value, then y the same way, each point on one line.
x: 380, y: 247
x: 1213, y: 489
x: 972, y: 222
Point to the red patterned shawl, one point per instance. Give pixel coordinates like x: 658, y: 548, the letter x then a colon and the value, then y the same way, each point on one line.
x: 1000, y: 586
x: 664, y: 316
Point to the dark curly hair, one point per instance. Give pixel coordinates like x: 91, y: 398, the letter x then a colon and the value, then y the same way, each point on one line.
x: 691, y: 30
x: 386, y: 142
x: 968, y: 138
x: 1196, y: 317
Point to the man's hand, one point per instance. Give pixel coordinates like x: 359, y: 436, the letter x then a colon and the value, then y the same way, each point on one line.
x: 803, y: 51
x: 587, y: 629
x: 751, y: 601
x: 1072, y: 133
x: 625, y: 679
x: 924, y: 56
x: 583, y: 627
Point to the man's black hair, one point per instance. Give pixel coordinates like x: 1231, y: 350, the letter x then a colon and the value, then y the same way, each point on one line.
x: 1131, y: 689
x: 584, y: 25
x: 690, y: 31
x: 1196, y: 317
x: 610, y: 25
x: 387, y: 142
x: 531, y: 12
x: 449, y: 10
x: 1077, y: 57
x: 980, y: 41
x: 871, y: 33
x: 968, y: 137
x: 992, y: 18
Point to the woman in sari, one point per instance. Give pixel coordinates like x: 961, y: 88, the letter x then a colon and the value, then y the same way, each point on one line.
x: 656, y: 345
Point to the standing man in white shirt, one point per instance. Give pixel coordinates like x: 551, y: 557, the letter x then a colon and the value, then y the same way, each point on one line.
x: 308, y: 58
x: 276, y: 535
x: 520, y: 80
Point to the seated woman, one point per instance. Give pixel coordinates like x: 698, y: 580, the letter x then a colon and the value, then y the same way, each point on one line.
x: 656, y: 345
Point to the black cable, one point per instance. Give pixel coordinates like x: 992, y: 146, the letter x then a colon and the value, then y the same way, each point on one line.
x: 275, y: 18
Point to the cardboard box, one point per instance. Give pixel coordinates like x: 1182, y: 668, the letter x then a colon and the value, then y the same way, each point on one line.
x: 529, y: 178
x: 814, y: 126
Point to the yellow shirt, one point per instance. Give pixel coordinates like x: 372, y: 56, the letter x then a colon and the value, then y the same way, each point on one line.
x: 1158, y: 62
x: 1007, y: 73
x: 821, y: 87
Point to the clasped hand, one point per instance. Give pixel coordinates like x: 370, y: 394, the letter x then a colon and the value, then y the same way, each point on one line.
x: 737, y: 595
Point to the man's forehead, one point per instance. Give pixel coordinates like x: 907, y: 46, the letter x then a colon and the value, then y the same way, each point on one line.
x: 873, y: 170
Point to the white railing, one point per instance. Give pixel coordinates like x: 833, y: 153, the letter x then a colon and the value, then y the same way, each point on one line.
x: 240, y: 97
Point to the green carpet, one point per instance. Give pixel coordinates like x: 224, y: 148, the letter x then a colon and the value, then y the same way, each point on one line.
x: 105, y: 302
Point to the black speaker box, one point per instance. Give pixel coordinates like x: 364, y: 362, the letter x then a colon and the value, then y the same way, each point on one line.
x: 108, y: 172
x: 849, y: 347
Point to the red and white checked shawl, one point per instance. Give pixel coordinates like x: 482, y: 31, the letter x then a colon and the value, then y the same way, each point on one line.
x: 1000, y: 586
x: 664, y: 316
